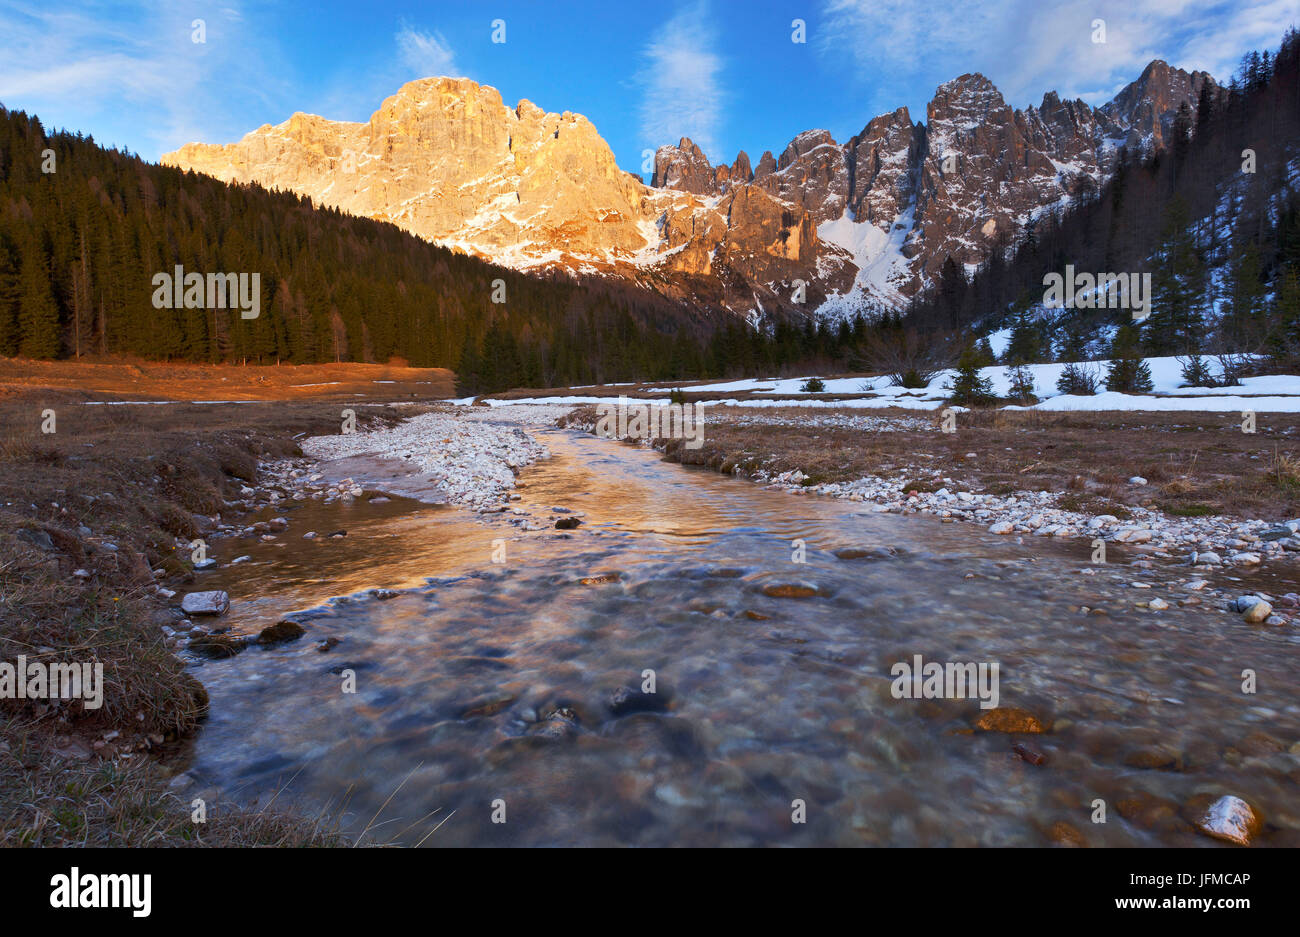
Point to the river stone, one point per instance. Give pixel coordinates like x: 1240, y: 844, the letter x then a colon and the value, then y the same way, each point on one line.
x: 567, y: 523
x: 1011, y: 719
x: 1002, y: 527
x: 218, y: 646
x: 790, y: 590
x: 280, y: 632
x: 626, y: 700
x: 1133, y: 535
x: 1063, y: 834
x: 37, y: 538
x: 1154, y: 757
x: 1230, y: 819
x: 1030, y: 755
x: 1257, y: 612
x: 857, y: 553
x: 561, y: 724
x: 215, y: 602
x: 1150, y: 812
x: 488, y: 705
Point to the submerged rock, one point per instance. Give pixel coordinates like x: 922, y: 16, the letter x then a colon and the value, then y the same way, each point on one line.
x: 626, y: 700
x: 567, y: 523
x: 488, y: 706
x: 1030, y: 755
x: 790, y: 590
x: 280, y: 632
x: 1063, y: 834
x: 1011, y: 719
x: 1230, y: 819
x: 560, y: 724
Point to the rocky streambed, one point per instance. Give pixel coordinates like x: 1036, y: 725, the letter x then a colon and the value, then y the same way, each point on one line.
x: 452, y: 659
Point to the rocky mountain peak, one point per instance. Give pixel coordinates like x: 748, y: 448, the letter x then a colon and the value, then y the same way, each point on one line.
x: 1146, y: 108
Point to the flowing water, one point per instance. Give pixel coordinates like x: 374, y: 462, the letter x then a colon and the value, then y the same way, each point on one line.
x: 762, y: 700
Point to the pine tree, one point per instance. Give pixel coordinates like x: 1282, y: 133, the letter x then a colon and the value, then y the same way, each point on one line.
x: 10, y: 295
x: 1026, y: 342
x: 1285, y: 340
x: 967, y: 387
x: 1243, y: 326
x: 1073, y: 346
x: 1175, y: 325
x: 1127, y: 373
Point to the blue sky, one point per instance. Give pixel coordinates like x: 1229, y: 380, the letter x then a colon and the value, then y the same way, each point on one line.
x: 727, y: 74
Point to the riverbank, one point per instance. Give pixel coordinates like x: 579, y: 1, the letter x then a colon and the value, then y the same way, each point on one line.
x: 96, y: 519
x: 98, y: 522
x: 1193, y: 491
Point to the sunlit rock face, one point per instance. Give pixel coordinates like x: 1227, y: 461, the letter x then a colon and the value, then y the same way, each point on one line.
x: 447, y: 160
x: 865, y: 223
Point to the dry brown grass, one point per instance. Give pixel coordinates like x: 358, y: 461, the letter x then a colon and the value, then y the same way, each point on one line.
x: 50, y: 802
x: 1195, y: 464
x: 92, y: 379
x: 134, y: 476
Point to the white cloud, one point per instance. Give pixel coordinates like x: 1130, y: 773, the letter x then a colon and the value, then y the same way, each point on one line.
x: 427, y: 54
x: 131, y: 74
x: 682, y: 92
x: 1027, y: 47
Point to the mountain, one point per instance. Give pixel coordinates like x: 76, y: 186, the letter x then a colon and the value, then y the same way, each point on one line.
x: 447, y: 160
x: 900, y: 197
x: 864, y: 224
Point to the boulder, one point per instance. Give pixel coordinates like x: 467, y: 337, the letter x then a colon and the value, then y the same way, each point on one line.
x: 215, y: 602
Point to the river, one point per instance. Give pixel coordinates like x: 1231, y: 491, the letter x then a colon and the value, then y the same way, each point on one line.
x: 769, y: 709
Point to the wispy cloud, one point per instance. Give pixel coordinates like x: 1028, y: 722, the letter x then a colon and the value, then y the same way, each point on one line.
x: 1027, y: 47
x: 101, y: 67
x: 682, y: 89
x: 426, y: 54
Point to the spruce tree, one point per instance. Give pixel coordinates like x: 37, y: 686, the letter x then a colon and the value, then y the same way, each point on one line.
x: 967, y: 387
x: 1127, y: 372
x: 38, y: 314
x: 1175, y: 325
